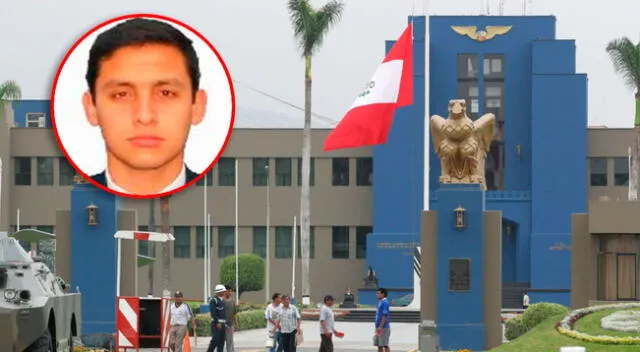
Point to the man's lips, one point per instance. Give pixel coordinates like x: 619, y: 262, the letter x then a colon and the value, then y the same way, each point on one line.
x: 148, y: 141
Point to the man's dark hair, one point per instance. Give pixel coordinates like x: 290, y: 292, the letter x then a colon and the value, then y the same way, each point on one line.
x: 285, y: 296
x: 275, y: 295
x: 228, y: 287
x: 383, y: 291
x: 139, y: 31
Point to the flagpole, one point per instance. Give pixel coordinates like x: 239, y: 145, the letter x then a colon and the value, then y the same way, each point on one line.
x: 236, y: 238
x: 630, y: 195
x: 204, y: 240
x: 293, y: 258
x: 427, y: 110
x: 209, y: 256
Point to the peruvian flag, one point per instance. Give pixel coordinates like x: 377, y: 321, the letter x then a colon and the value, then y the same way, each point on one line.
x: 369, y: 119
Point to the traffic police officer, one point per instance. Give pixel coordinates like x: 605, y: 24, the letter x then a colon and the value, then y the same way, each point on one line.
x: 218, y: 320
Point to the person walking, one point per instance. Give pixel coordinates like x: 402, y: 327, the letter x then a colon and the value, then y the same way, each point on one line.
x: 525, y: 301
x: 383, y: 318
x: 230, y: 309
x: 288, y: 322
x: 218, y: 320
x: 327, y: 328
x: 271, y: 314
x: 180, y: 315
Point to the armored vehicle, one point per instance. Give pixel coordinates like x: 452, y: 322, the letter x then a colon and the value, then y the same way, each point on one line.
x: 37, y: 311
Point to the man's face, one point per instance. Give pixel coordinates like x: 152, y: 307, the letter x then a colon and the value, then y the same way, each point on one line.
x: 178, y: 299
x: 228, y: 294
x: 379, y: 295
x: 286, y: 301
x: 328, y: 302
x: 144, y: 105
x: 277, y: 300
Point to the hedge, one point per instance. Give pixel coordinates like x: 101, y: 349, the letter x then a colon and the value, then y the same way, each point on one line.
x: 534, y: 315
x: 247, y: 320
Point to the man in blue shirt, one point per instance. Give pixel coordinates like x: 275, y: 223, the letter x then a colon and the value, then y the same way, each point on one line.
x: 383, y: 318
x: 218, y: 320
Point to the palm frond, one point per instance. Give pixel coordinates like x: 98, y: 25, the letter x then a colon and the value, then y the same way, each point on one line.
x: 10, y: 90
x: 301, y: 14
x: 311, y: 25
x: 625, y: 56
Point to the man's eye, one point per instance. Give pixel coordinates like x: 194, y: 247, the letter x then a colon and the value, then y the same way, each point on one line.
x: 119, y: 95
x: 167, y: 93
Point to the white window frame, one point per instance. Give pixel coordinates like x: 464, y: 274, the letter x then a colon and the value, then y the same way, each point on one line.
x: 35, y: 120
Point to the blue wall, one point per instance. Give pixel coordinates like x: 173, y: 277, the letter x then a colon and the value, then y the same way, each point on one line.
x: 545, y: 109
x: 22, y: 107
x: 93, y: 257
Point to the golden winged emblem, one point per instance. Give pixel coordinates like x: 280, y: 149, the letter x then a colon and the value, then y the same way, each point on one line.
x: 481, y: 35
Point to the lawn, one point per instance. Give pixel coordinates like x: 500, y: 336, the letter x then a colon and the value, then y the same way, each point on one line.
x: 545, y: 338
x: 590, y: 324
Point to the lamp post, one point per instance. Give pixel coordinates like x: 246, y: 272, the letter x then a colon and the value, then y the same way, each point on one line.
x: 268, y: 241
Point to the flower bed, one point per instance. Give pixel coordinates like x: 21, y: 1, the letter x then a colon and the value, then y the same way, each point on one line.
x: 625, y: 321
x: 565, y: 326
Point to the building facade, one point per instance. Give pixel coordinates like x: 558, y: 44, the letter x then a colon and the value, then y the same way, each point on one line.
x: 544, y: 165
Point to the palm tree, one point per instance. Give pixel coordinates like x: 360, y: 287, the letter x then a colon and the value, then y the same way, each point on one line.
x: 9, y: 90
x: 625, y: 56
x: 166, y: 254
x: 310, y: 26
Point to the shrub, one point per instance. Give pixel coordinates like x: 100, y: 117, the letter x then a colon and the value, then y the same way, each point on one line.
x: 538, y: 312
x: 245, y: 306
x: 195, y: 307
x: 514, y: 328
x: 251, y: 272
x: 250, y: 319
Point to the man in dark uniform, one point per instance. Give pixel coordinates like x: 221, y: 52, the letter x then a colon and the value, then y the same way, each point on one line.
x: 218, y: 320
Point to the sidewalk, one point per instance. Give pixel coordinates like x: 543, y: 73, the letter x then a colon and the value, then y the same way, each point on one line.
x: 358, y: 336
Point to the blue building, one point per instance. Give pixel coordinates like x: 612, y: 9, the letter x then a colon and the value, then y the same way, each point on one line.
x: 535, y: 170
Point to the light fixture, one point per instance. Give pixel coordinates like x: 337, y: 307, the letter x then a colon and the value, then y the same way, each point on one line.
x: 460, y: 217
x: 92, y: 214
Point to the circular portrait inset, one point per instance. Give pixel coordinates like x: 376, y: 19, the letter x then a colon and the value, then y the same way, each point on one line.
x: 142, y: 106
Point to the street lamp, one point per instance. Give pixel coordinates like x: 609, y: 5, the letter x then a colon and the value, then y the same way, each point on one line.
x: 268, y: 241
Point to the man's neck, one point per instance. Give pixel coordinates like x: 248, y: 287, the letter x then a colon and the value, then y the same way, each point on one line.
x: 143, y: 181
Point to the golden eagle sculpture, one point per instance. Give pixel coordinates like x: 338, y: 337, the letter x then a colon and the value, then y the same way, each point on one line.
x: 481, y: 35
x: 462, y: 144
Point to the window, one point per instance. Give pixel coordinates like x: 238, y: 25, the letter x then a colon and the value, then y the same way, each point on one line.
x: 22, y: 171
x: 340, y: 171
x: 364, y: 171
x: 35, y: 120
x: 227, y: 172
x: 468, y: 71
x: 598, y: 168
x: 226, y: 241
x: 66, y: 172
x: 340, y: 242
x: 495, y: 162
x: 45, y: 171
x: 208, y: 176
x: 312, y: 243
x: 146, y: 248
x: 283, y: 171
x: 260, y: 171
x: 312, y: 172
x: 361, y: 240
x: 260, y: 241
x: 182, y: 242
x: 621, y: 171
x: 200, y: 237
x: 493, y: 66
x: 284, y: 239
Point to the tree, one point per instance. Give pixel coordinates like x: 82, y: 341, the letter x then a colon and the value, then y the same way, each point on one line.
x: 625, y: 56
x: 9, y: 90
x: 310, y: 26
x: 250, y: 272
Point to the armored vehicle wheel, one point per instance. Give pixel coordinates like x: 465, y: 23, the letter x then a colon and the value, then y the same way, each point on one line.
x: 44, y: 343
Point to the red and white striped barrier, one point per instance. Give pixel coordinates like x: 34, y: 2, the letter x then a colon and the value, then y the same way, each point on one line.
x: 127, y: 335
x: 166, y: 323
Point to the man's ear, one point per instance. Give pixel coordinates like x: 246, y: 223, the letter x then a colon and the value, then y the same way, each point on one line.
x: 199, y: 108
x: 89, y: 109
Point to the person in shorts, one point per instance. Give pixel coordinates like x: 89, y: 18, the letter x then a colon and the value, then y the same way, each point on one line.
x: 383, y: 318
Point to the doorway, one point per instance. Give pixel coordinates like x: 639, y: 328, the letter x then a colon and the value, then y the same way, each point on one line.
x: 509, y: 251
x: 618, y: 275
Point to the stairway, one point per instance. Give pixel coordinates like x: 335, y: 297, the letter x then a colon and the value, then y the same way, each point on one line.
x: 368, y: 315
x: 512, y: 294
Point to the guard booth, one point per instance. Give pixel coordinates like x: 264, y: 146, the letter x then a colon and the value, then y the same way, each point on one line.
x: 141, y: 322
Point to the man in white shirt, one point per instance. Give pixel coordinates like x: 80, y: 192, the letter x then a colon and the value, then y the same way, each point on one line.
x: 525, y: 301
x: 180, y: 315
x: 327, y: 329
x: 271, y: 314
x: 288, y: 322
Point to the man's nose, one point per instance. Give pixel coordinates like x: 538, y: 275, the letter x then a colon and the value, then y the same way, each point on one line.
x: 145, y: 110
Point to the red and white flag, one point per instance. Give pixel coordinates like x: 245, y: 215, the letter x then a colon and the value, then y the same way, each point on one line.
x: 369, y: 119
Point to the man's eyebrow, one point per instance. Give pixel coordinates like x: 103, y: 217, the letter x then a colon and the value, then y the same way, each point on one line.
x: 160, y: 82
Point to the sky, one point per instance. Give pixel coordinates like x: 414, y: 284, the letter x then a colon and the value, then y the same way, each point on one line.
x: 255, y: 39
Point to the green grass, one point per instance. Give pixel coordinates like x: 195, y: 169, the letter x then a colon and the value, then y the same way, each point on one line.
x: 590, y: 324
x: 545, y: 338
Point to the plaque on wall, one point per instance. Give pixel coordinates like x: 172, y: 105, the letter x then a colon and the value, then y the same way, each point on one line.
x: 459, y: 274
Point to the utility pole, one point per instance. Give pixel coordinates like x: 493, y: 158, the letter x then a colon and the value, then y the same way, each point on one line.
x: 166, y: 253
x: 151, y: 246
